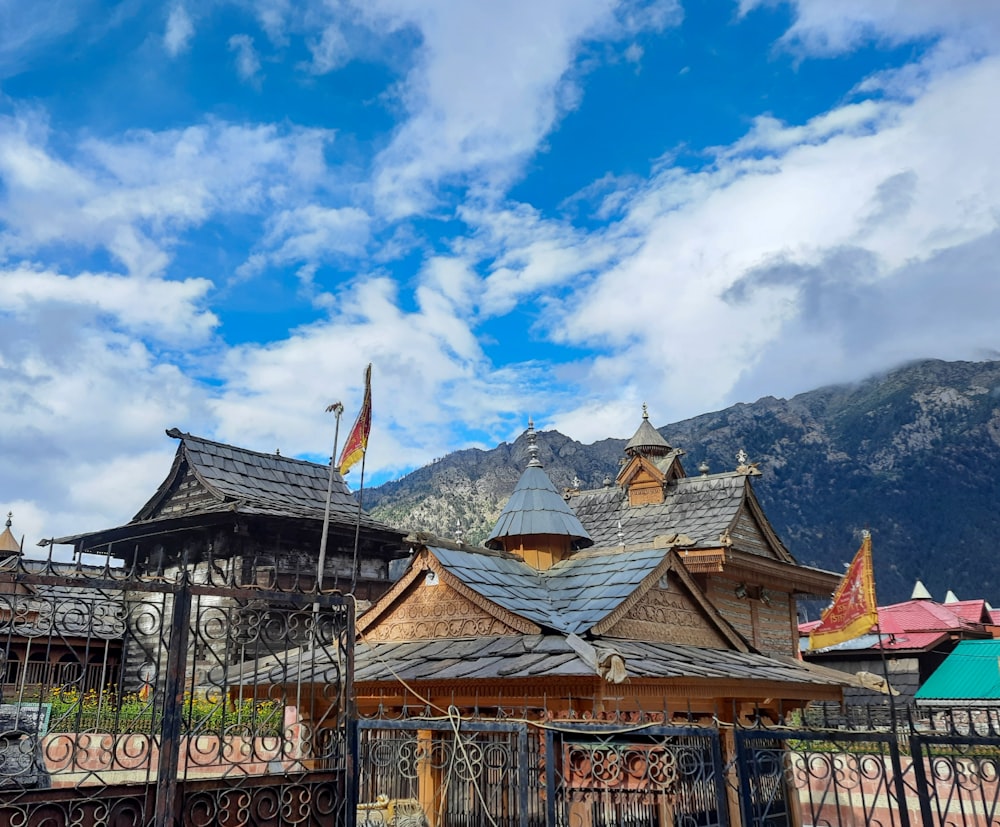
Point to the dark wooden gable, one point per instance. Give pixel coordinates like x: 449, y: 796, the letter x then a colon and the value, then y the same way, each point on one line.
x: 752, y: 532
x: 184, y: 494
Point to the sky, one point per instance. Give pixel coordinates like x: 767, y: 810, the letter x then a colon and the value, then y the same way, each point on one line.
x: 214, y: 214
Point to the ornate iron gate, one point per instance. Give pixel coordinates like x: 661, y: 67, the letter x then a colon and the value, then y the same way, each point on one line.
x: 606, y: 776
x: 459, y: 773
x: 172, y: 699
x: 448, y: 772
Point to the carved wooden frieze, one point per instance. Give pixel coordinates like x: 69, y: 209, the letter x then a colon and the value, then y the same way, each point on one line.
x: 667, y: 616
x: 436, y: 611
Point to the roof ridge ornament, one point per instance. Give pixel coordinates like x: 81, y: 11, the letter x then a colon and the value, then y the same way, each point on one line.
x: 534, y: 462
x: 645, y: 412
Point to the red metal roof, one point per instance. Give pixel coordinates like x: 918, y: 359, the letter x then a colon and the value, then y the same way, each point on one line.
x: 921, y: 624
x: 974, y: 611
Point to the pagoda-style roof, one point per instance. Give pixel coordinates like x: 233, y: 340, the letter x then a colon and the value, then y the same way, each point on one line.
x: 8, y: 543
x: 508, y: 657
x: 210, y: 479
x: 647, y: 441
x: 586, y: 594
x: 573, y: 596
x: 536, y: 508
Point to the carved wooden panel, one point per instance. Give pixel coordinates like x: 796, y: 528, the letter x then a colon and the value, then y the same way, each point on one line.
x: 645, y: 493
x: 668, y: 616
x: 438, y: 611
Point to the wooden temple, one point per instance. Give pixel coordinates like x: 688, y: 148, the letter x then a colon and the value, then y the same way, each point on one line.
x: 549, y: 618
x: 235, y: 518
x: 258, y: 515
x: 662, y: 600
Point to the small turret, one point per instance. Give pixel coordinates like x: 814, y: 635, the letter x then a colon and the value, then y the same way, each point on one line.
x: 8, y: 545
x: 536, y: 523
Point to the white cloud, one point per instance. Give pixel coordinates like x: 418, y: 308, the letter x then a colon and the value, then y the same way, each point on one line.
x: 428, y: 371
x: 489, y: 84
x: 132, y: 195
x: 84, y: 399
x: 179, y: 31
x: 310, y: 235
x: 825, y: 28
x: 247, y: 61
x: 765, y: 262
x: 30, y: 27
x: 167, y: 311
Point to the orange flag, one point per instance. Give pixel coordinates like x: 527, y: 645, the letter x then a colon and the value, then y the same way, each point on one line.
x: 853, y: 611
x: 357, y: 440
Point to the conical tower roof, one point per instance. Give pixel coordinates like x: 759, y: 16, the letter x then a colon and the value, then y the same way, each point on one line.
x: 8, y: 545
x: 536, y: 508
x: 920, y: 592
x: 647, y: 440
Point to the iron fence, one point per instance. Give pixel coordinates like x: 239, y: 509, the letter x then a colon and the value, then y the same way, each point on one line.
x: 172, y: 698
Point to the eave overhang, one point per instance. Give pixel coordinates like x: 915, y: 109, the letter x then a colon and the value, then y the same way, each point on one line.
x: 802, y: 580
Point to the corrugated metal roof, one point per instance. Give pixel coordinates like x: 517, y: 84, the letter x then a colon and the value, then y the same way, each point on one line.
x: 968, y: 673
x: 535, y: 507
x: 914, y: 625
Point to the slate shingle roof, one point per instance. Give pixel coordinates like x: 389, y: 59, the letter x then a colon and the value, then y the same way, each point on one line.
x: 535, y: 507
x: 647, y: 440
x: 526, y: 656
x: 701, y: 508
x: 259, y: 483
x: 571, y: 597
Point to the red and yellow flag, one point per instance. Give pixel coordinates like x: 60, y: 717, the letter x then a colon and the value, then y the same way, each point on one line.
x: 357, y: 440
x: 853, y: 611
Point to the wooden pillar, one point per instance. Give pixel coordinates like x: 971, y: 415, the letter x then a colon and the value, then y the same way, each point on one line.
x: 727, y: 738
x: 791, y: 791
x: 428, y: 778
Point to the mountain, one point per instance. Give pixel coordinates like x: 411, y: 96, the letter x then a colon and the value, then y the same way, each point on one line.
x: 913, y: 454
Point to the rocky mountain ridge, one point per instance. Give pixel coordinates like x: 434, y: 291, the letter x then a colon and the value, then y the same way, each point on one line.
x: 913, y: 454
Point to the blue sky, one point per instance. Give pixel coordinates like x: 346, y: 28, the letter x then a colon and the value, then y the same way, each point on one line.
x: 214, y: 214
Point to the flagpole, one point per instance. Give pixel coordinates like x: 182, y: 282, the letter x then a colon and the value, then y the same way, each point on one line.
x: 897, y: 767
x: 357, y: 524
x: 866, y: 534
x: 337, y: 410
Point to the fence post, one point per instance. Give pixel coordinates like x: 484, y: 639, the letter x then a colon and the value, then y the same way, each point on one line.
x: 523, y: 768
x: 550, y: 777
x: 173, y: 704
x: 920, y: 778
x: 899, y: 783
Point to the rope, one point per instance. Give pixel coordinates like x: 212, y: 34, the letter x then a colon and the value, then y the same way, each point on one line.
x: 447, y: 715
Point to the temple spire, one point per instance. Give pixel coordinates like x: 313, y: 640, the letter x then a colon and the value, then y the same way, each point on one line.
x: 534, y: 462
x: 8, y: 545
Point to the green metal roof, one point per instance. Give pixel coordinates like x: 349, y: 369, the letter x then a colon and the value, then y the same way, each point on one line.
x: 971, y: 672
